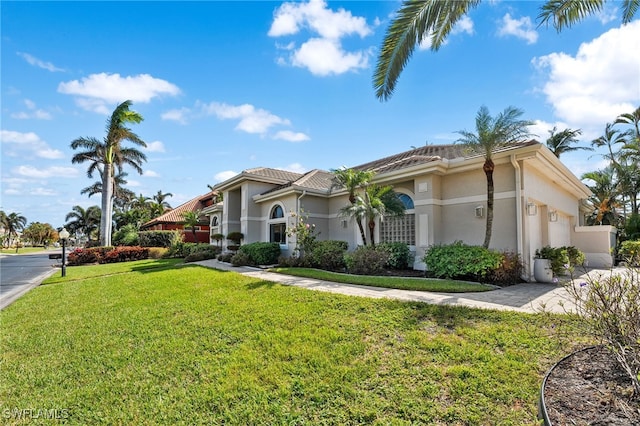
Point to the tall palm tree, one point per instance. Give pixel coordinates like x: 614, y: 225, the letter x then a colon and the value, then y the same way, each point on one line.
x: 160, y: 198
x: 353, y: 180
x: 82, y: 220
x: 491, y: 134
x: 560, y: 142
x: 109, y: 155
x: 610, y: 138
x: 13, y: 223
x: 631, y: 148
x: 418, y: 22
x: 121, y: 195
x: 191, y: 219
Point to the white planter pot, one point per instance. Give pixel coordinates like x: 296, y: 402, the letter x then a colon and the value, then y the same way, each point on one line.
x: 542, y: 271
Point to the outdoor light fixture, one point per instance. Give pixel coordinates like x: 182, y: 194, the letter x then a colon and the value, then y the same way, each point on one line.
x: 532, y: 209
x: 479, y: 211
x: 64, y: 235
x: 553, y: 216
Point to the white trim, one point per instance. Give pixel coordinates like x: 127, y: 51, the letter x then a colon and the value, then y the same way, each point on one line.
x: 464, y: 200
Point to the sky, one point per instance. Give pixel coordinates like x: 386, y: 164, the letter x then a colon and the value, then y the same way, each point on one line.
x: 229, y: 86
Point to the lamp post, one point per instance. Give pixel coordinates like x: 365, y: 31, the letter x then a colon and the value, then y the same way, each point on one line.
x: 64, y: 234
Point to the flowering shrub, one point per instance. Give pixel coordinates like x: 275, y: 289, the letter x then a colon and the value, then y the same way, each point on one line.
x: 304, y: 232
x: 81, y: 256
x: 630, y: 252
x: 610, y: 307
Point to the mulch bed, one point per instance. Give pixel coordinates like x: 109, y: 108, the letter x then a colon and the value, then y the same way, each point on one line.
x: 590, y: 388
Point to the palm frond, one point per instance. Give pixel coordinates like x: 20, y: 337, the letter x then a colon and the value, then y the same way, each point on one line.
x: 565, y: 13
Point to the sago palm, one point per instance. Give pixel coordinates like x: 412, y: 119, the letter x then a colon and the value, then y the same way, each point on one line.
x: 491, y: 134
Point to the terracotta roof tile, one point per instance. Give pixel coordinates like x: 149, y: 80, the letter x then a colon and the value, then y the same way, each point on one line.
x: 175, y: 215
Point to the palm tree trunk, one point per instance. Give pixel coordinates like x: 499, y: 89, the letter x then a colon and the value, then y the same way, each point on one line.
x: 372, y: 226
x: 488, y: 170
x: 107, y: 202
x: 362, y: 234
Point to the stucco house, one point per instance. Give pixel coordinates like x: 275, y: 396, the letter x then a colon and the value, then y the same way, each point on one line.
x: 173, y: 219
x: 538, y: 202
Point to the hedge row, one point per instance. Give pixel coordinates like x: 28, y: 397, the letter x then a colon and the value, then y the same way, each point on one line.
x: 82, y: 256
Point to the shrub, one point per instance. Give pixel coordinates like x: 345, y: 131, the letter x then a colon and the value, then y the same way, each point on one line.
x: 327, y: 255
x: 630, y: 252
x: 217, y: 238
x: 508, y: 272
x: 399, y: 255
x: 83, y: 256
x: 157, y: 252
x: 225, y: 257
x: 366, y: 260
x: 562, y: 258
x: 241, y: 259
x: 159, y: 238
x: 632, y: 227
x: 262, y: 253
x: 126, y: 254
x: 235, y: 236
x: 610, y: 308
x: 289, y: 261
x: 200, y: 251
x: 126, y: 236
x: 459, y: 260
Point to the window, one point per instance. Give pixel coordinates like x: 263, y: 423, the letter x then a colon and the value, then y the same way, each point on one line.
x: 277, y: 226
x: 400, y: 229
x: 214, y: 221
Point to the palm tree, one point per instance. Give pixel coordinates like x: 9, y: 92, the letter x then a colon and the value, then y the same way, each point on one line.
x: 160, y: 198
x: 191, y: 219
x: 430, y: 21
x: 13, y: 223
x: 157, y: 204
x: 121, y: 195
x: 631, y: 149
x: 604, y: 199
x: 380, y: 201
x: 491, y: 134
x: 108, y: 155
x: 82, y: 220
x: 610, y: 138
x: 352, y: 180
x: 560, y: 142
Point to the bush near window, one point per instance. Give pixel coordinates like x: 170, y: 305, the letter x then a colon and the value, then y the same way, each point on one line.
x: 262, y: 253
x: 459, y: 260
x: 562, y: 258
x: 107, y: 255
x: 630, y: 252
x: 366, y: 260
x: 399, y: 255
x: 327, y: 255
x: 159, y: 238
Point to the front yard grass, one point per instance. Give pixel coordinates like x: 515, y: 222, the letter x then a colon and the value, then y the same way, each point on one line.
x: 402, y: 283
x: 192, y: 345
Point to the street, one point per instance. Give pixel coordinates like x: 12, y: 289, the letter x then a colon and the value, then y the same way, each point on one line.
x: 19, y: 273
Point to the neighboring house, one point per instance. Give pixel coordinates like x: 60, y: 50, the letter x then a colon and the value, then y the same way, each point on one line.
x: 173, y: 219
x: 538, y: 202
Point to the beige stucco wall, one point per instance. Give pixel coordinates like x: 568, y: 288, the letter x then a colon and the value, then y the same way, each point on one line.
x: 597, y: 243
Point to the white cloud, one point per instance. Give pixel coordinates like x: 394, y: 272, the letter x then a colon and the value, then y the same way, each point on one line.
x: 155, y: 146
x: 32, y: 60
x: 291, y: 17
x: 48, y: 172
x: 33, y: 112
x: 464, y: 25
x: 597, y: 84
x: 294, y: 167
x: 97, y: 90
x: 521, y: 28
x: 222, y: 176
x: 150, y: 173
x: 179, y: 115
x: 16, y: 141
x: 323, y: 55
x: 251, y: 119
x: 45, y: 192
x: 290, y: 136
x: 133, y: 183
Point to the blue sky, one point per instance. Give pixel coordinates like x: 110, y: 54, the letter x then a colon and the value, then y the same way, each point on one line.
x: 227, y: 86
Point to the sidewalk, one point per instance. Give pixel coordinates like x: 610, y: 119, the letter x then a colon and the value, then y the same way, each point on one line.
x: 525, y: 297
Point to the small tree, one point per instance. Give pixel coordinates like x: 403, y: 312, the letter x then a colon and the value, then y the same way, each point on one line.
x: 191, y: 220
x: 304, y: 232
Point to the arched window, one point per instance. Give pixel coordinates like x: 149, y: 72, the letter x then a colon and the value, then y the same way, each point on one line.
x: 214, y: 221
x: 277, y: 212
x: 277, y: 226
x: 400, y: 228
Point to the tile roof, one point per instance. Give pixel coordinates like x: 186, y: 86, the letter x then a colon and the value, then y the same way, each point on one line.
x: 426, y: 154
x: 272, y: 173
x: 175, y: 215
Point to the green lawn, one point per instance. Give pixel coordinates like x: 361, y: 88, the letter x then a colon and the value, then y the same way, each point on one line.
x: 402, y: 283
x: 191, y: 345
x: 22, y: 250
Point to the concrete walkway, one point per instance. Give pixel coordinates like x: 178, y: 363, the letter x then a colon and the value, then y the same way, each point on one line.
x: 526, y: 297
